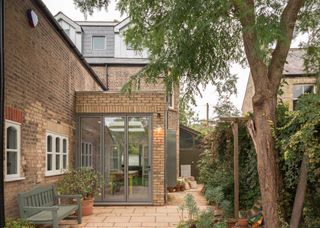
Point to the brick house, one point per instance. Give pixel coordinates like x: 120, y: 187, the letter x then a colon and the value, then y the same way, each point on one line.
x: 296, y: 81
x: 63, y: 109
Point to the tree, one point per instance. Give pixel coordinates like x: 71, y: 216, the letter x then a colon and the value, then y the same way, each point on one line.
x: 198, y: 40
x: 187, y: 116
x: 225, y: 107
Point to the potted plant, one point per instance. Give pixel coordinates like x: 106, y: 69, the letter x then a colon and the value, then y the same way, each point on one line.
x: 231, y: 222
x: 243, y: 220
x: 182, y: 186
x: 178, y: 186
x: 81, y: 181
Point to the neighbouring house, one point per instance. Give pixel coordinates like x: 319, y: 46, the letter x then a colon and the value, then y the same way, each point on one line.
x: 189, y: 152
x: 296, y: 81
x: 64, y: 109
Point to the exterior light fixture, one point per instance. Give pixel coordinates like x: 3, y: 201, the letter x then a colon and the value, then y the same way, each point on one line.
x: 32, y: 18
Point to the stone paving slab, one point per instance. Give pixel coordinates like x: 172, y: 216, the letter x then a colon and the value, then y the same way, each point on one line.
x: 137, y: 216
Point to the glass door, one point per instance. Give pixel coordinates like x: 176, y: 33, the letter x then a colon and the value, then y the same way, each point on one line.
x: 114, y: 138
x: 139, y: 159
x: 119, y: 148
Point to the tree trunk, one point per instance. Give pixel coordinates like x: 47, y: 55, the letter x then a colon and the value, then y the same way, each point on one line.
x: 261, y: 133
x: 300, y: 195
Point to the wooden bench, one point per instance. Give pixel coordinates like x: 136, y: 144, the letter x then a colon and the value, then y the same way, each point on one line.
x: 40, y: 206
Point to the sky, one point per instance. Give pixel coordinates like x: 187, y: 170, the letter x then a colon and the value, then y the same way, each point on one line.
x: 209, y: 94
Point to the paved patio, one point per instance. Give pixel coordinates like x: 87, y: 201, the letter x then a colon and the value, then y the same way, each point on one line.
x: 138, y: 216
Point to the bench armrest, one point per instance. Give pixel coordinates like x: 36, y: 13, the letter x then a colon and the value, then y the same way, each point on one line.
x: 70, y: 196
x: 53, y: 208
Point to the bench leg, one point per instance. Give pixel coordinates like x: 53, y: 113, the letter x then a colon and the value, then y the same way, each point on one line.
x: 55, y: 224
x: 79, y: 214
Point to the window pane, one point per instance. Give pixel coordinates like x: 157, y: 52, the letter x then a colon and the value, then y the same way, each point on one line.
x: 12, y: 136
x: 57, y: 162
x: 64, y: 142
x: 297, y: 91
x: 49, y: 143
x: 98, y: 42
x: 308, y: 89
x: 64, y: 164
x: 12, y: 161
x: 58, y: 145
x: 49, y: 162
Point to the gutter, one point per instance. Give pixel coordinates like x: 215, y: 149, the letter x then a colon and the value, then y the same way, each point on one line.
x: 2, y: 213
x: 65, y: 37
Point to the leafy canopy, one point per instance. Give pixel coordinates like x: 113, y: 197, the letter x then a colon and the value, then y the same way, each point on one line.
x: 195, y: 42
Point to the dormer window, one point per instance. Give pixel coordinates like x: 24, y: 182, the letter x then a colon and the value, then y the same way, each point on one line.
x: 98, y: 42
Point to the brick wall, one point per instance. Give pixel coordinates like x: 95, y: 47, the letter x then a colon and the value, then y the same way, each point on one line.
x: 101, y: 71
x: 142, y: 102
x: 118, y: 75
x: 287, y: 88
x: 41, y: 74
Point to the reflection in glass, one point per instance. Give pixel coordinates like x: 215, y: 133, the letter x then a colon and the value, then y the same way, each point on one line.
x: 12, y: 136
x: 138, y: 158
x: 12, y: 163
x: 90, y: 156
x: 114, y: 145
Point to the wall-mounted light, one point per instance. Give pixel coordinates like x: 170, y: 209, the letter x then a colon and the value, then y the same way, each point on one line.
x: 158, y: 115
x: 32, y: 18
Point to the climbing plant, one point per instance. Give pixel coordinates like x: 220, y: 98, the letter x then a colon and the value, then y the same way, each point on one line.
x: 298, y: 140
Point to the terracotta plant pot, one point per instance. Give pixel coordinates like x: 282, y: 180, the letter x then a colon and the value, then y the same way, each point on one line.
x: 170, y: 189
x: 182, y: 188
x: 243, y: 222
x: 231, y: 223
x: 177, y: 188
x: 87, y: 207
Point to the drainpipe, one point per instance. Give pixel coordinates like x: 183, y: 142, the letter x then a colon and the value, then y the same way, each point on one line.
x: 2, y: 214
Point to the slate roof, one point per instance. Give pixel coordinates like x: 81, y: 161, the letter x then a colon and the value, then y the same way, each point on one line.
x: 295, y: 63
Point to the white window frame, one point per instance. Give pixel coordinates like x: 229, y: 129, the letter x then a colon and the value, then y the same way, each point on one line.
x: 87, y: 162
x: 303, y: 85
x: 54, y: 154
x: 105, y: 43
x: 170, y: 101
x: 17, y: 176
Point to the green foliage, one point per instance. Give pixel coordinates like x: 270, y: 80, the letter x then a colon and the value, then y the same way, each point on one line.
x: 216, y: 168
x: 87, y: 6
x: 298, y: 136
x: 18, y: 223
x: 205, y: 219
x: 187, y: 116
x: 225, y: 108
x: 197, y: 218
x: 198, y: 40
x: 82, y: 181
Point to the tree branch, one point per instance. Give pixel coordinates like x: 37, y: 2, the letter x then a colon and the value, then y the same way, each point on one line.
x: 279, y: 55
x: 245, y: 11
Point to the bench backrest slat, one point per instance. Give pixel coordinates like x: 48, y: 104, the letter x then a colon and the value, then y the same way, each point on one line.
x: 39, y: 196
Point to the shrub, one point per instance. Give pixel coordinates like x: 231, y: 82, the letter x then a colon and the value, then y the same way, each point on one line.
x: 81, y: 181
x: 18, y: 223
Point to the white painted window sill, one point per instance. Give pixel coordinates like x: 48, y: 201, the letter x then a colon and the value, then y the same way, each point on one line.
x: 14, y: 179
x: 57, y: 173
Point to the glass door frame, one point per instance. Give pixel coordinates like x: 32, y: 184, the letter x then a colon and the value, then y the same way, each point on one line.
x: 126, y: 116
